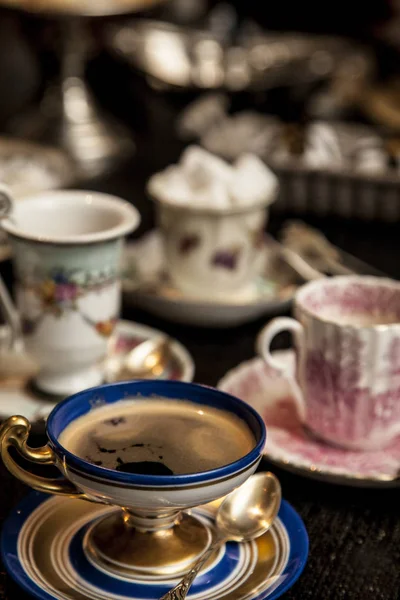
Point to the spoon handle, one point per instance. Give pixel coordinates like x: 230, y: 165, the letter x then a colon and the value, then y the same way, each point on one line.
x: 11, y: 315
x: 181, y: 590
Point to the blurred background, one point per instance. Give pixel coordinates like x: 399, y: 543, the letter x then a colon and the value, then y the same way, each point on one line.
x: 102, y: 94
x: 91, y: 86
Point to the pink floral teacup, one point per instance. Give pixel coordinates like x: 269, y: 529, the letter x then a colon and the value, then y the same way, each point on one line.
x: 66, y: 250
x: 347, y: 338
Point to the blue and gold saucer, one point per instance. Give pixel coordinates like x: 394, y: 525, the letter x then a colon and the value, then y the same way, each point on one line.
x: 42, y: 549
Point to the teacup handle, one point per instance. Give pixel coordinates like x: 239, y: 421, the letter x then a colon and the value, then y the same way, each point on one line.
x: 6, y: 202
x: 7, y: 307
x: 263, y: 345
x: 14, y: 432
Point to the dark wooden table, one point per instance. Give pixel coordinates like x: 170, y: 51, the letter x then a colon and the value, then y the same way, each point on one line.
x: 354, y: 533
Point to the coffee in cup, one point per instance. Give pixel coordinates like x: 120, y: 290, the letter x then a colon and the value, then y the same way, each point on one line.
x: 161, y: 437
x: 209, y: 441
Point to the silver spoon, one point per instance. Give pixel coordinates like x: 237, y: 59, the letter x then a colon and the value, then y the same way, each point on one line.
x: 148, y: 359
x: 282, y: 254
x: 13, y: 358
x: 245, y: 514
x: 7, y: 306
x: 11, y: 316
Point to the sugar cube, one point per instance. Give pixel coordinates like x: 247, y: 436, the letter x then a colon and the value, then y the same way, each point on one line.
x: 171, y: 185
x: 201, y: 166
x: 252, y: 182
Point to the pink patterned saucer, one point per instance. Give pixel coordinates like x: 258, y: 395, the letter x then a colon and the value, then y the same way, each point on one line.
x: 290, y: 446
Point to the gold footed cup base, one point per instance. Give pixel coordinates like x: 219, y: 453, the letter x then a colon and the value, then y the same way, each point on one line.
x: 129, y: 545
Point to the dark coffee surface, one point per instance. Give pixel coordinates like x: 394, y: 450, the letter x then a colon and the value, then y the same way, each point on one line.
x: 354, y: 533
x: 158, y: 437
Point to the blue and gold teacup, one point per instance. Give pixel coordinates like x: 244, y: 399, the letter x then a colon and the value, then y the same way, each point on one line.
x: 147, y: 533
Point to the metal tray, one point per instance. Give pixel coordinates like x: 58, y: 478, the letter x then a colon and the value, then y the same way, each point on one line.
x: 342, y: 193
x: 184, y: 58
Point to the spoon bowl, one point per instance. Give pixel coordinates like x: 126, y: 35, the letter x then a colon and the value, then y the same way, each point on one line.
x: 250, y: 510
x: 245, y: 514
x: 149, y: 359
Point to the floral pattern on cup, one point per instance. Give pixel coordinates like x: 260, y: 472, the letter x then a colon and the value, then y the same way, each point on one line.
x: 103, y: 328
x: 349, y: 397
x: 352, y: 300
x: 106, y: 328
x: 211, y: 254
x: 227, y: 259
x: 60, y: 290
x: 188, y: 243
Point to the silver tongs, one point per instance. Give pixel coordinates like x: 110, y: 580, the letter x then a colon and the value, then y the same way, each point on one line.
x: 313, y: 248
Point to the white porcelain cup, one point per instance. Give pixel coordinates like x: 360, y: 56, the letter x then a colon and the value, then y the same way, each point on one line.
x: 66, y: 251
x: 212, y: 253
x: 347, y: 338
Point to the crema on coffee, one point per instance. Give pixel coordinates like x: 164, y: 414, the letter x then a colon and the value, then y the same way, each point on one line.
x: 158, y: 437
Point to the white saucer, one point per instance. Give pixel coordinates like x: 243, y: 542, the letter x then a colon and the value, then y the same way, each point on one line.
x: 288, y: 444
x: 17, y: 398
x: 146, y: 285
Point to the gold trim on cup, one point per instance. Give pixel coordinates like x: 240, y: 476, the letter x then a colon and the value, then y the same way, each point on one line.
x: 14, y: 433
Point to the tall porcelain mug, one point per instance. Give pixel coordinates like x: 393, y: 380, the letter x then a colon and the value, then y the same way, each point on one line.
x: 66, y: 252
x: 347, y: 339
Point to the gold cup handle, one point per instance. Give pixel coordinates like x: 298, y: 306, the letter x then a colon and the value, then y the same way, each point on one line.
x: 14, y: 432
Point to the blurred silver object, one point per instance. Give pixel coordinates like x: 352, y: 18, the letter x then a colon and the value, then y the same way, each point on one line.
x: 219, y: 58
x: 284, y: 262
x: 14, y: 361
x: 11, y: 317
x: 343, y: 192
x: 68, y: 115
x: 186, y: 11
x: 311, y: 245
x: 82, y: 8
x: 202, y: 115
x: 150, y: 359
x: 247, y: 131
x: 27, y: 168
